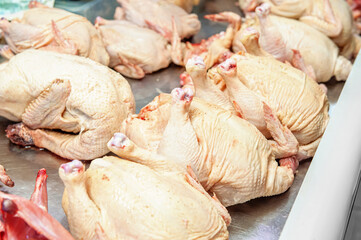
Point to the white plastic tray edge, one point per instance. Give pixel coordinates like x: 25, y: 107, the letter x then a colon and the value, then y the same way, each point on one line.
x: 322, y: 207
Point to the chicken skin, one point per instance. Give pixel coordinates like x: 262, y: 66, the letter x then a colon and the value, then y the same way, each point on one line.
x: 50, y: 91
x: 158, y: 15
x: 56, y: 30
x: 230, y: 157
x: 147, y: 197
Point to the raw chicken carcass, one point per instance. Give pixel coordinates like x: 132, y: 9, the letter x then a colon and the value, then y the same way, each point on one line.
x: 4, y: 178
x: 331, y: 17
x: 55, y: 30
x: 24, y: 219
x: 295, y: 99
x: 134, y: 51
x: 150, y: 198
x: 50, y: 91
x: 158, y: 15
x: 228, y: 154
x: 282, y: 37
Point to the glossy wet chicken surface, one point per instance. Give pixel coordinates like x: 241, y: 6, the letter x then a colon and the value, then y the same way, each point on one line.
x: 260, y: 217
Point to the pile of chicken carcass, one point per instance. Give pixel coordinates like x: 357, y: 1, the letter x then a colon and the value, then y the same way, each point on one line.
x: 250, y: 108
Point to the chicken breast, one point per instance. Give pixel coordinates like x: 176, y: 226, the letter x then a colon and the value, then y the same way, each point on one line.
x: 50, y: 91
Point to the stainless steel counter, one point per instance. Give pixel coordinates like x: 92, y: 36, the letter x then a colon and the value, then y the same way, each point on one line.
x: 262, y: 218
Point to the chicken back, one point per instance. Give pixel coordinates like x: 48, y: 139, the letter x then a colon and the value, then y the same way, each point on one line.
x: 51, y: 91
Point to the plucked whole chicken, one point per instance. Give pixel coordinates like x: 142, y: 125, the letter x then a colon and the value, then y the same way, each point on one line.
x: 145, y: 198
x: 56, y: 30
x: 24, y: 219
x: 50, y: 91
x: 134, y: 51
x: 255, y: 84
x: 228, y: 154
x: 331, y: 17
x: 279, y: 38
x: 158, y: 15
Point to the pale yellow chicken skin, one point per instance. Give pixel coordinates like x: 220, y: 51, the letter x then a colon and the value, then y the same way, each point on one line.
x: 331, y: 17
x: 55, y: 30
x: 47, y: 90
x: 134, y: 51
x: 295, y: 99
x: 158, y: 15
x: 228, y: 154
x: 151, y: 199
x: 279, y: 38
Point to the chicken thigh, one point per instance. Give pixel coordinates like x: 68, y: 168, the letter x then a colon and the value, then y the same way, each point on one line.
x: 230, y: 157
x: 134, y: 51
x: 145, y: 198
x: 55, y: 30
x: 51, y: 91
x: 24, y: 219
x: 279, y: 38
x: 158, y: 15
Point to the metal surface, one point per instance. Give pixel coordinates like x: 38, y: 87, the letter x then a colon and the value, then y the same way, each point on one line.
x: 261, y: 218
x: 331, y: 182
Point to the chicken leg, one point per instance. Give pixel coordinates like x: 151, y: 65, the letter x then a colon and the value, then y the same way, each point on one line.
x: 46, y: 112
x: 71, y: 146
